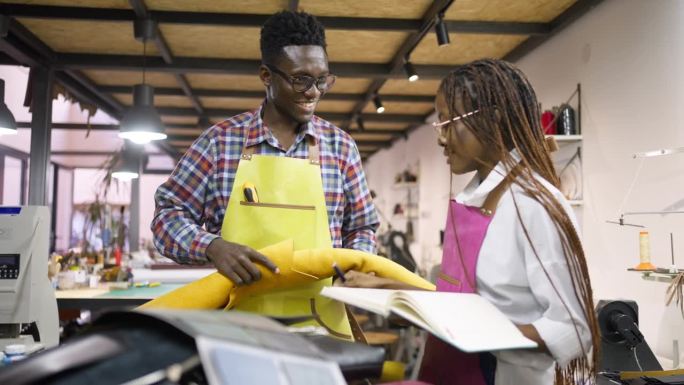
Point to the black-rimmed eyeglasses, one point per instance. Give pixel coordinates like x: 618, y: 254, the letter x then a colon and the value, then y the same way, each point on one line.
x: 302, y: 83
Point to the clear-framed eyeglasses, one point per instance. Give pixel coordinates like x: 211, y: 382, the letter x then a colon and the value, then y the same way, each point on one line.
x: 441, y: 127
x: 302, y: 83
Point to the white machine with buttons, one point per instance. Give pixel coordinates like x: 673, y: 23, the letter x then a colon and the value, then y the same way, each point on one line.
x: 25, y: 292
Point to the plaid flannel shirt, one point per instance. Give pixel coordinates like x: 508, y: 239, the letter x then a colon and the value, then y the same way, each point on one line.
x: 191, y: 204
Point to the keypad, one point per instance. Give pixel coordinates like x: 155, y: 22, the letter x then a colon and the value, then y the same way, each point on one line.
x: 9, y: 273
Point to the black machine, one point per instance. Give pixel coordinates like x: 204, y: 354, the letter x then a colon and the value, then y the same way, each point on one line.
x: 396, y: 246
x: 195, y: 347
x: 623, y: 347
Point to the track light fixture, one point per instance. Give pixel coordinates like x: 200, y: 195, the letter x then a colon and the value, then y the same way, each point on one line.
x: 359, y: 123
x: 8, y: 125
x: 203, y: 122
x: 441, y: 31
x: 410, y: 70
x: 379, y: 108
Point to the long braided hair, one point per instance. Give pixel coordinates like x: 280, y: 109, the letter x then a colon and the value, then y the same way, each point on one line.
x: 508, y: 119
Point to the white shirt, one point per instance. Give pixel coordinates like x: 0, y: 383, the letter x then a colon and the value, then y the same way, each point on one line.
x: 510, y: 276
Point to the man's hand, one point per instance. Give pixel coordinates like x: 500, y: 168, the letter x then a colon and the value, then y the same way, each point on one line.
x: 236, y: 262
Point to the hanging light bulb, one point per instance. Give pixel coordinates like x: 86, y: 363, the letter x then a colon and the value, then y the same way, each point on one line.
x: 8, y: 126
x: 379, y: 108
x: 410, y: 71
x: 141, y: 123
x: 128, y: 165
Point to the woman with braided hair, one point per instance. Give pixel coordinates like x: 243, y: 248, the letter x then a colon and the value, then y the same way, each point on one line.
x: 510, y: 236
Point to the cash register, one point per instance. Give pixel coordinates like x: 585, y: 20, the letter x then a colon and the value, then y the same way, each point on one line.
x: 26, y: 296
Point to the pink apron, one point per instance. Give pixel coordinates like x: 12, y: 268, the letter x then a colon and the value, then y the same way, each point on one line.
x: 443, y: 364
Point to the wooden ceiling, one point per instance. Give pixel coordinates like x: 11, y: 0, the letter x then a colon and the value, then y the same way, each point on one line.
x: 204, y: 60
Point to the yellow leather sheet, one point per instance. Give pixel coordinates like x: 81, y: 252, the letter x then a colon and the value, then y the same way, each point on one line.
x: 296, y: 268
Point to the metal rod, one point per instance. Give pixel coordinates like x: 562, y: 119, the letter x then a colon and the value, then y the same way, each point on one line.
x: 41, y: 104
x: 653, y: 212
x: 672, y: 248
x: 661, y: 152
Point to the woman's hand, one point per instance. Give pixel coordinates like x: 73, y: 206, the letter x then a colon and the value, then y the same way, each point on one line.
x: 355, y: 278
x: 531, y: 332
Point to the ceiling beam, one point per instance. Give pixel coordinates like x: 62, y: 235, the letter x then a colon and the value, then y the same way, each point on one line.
x: 115, y: 127
x: 82, y: 61
x: 397, y: 63
x: 253, y: 20
x: 496, y: 27
x: 260, y: 94
x: 552, y: 28
x: 330, y: 116
x: 29, y: 50
x: 77, y: 84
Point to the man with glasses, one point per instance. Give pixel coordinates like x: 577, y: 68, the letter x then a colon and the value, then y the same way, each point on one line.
x: 265, y: 176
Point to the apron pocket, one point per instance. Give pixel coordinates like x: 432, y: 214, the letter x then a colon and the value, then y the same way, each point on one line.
x: 273, y: 223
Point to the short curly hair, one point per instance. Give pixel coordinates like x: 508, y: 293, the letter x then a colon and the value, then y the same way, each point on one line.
x: 289, y: 28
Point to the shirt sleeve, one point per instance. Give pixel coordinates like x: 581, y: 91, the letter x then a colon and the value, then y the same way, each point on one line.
x: 180, y: 204
x: 562, y: 326
x: 360, y: 218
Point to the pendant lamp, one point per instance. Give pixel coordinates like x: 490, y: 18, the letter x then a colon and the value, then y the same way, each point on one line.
x: 142, y: 123
x: 128, y: 165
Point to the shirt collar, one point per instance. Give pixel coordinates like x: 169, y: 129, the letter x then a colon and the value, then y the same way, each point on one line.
x: 475, y: 193
x: 257, y: 132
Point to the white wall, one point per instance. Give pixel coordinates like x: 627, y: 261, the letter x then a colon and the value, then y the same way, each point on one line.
x: 628, y: 56
x: 88, y: 185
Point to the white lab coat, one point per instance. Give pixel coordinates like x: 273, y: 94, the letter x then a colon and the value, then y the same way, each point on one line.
x: 510, y: 276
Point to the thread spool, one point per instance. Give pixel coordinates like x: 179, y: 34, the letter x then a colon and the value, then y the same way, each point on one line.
x: 566, y: 124
x: 644, y: 252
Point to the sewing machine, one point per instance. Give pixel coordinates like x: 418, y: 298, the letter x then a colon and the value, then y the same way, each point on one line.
x: 25, y: 292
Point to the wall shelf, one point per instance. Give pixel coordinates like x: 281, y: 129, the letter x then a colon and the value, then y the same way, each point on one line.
x: 567, y: 138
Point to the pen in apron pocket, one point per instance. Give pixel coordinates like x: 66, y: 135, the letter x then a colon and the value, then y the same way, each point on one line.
x: 249, y: 190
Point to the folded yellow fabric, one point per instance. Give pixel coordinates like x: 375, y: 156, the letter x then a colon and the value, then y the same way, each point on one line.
x: 296, y: 268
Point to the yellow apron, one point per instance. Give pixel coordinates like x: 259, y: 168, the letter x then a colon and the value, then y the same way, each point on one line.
x: 291, y: 205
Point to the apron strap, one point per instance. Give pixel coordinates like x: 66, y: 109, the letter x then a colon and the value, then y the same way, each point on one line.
x: 314, y: 152
x: 317, y: 317
x: 492, y: 201
x: 247, y: 152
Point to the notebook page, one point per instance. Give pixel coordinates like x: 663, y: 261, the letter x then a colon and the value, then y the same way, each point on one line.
x: 468, y: 321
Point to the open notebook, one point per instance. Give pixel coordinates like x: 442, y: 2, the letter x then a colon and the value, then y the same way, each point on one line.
x: 466, y: 321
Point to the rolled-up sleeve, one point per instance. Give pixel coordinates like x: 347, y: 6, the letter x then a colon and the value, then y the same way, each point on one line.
x: 562, y: 326
x: 180, y: 204
x: 360, y: 218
